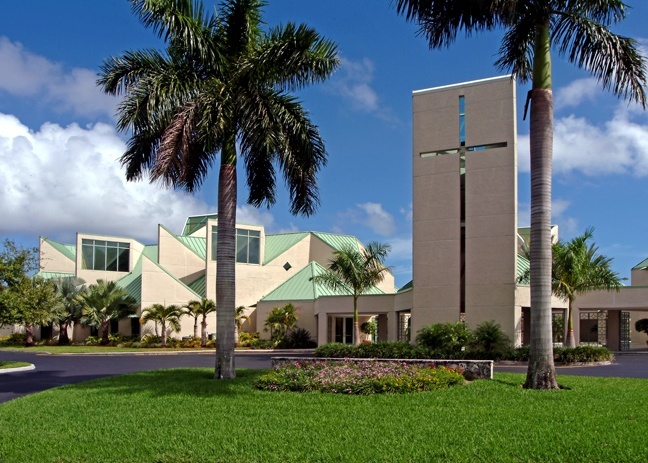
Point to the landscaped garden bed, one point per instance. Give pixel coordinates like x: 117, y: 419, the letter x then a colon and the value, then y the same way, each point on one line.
x: 359, y: 377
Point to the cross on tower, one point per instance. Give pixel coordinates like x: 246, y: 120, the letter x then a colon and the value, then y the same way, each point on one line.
x: 461, y: 150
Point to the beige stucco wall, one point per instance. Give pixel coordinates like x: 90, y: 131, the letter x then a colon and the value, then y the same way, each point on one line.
x: 639, y: 277
x: 51, y: 260
x: 490, y: 201
x: 158, y: 287
x: 177, y: 258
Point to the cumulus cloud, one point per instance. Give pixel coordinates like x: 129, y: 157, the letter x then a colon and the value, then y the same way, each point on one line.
x: 617, y: 146
x: 353, y: 82
x: 252, y: 216
x: 576, y: 93
x: 372, y: 216
x: 27, y: 74
x: 60, y: 180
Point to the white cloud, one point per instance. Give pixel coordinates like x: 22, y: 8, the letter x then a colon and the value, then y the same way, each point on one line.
x: 576, y: 93
x: 618, y: 146
x: 27, y: 74
x: 372, y: 216
x: 354, y: 83
x: 252, y: 216
x: 60, y: 180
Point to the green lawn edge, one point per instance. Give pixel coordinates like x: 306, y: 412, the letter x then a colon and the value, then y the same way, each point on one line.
x: 184, y: 415
x: 6, y: 364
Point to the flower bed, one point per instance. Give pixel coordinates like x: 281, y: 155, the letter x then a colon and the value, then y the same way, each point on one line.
x: 361, y: 378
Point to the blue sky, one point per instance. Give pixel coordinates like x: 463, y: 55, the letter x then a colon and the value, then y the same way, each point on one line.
x: 58, y: 144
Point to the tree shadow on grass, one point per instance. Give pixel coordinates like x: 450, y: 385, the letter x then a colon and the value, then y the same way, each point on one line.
x: 196, y: 382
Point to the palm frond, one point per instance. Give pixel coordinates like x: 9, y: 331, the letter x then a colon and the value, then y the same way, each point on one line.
x: 614, y: 60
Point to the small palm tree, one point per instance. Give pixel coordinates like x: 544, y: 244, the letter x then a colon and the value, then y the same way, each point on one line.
x: 70, y: 290
x: 103, y: 302
x: 577, y: 269
x: 203, y: 307
x: 165, y: 315
x: 222, y: 85
x: 280, y: 321
x: 239, y: 319
x: 355, y: 271
x: 579, y: 31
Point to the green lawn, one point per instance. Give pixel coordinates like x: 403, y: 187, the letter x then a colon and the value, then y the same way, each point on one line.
x: 184, y: 415
x: 98, y: 349
x: 10, y: 364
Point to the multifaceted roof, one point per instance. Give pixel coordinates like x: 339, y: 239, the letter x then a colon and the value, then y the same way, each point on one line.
x: 300, y: 287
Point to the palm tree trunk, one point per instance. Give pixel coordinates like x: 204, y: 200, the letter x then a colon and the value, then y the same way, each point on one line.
x: 356, y: 325
x: 63, y: 339
x: 225, y: 265
x: 195, y: 335
x: 105, y: 326
x: 163, y: 337
x: 541, y: 372
x: 29, y: 336
x: 570, y: 341
x: 203, y: 333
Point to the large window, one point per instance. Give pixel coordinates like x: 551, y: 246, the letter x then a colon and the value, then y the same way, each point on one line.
x: 248, y: 245
x: 105, y: 255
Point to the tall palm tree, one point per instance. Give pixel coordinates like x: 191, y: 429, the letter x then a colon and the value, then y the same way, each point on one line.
x: 356, y: 271
x: 203, y: 307
x: 239, y: 318
x: 165, y: 315
x: 103, y: 302
x: 222, y: 85
x: 577, y: 30
x: 70, y: 290
x: 577, y: 269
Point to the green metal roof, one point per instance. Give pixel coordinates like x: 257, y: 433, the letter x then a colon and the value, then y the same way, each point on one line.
x: 275, y: 245
x: 68, y: 250
x: 133, y: 281
x: 338, y: 242
x: 196, y: 222
x: 199, y: 286
x: 407, y: 287
x: 151, y: 251
x: 641, y: 265
x: 300, y: 288
x: 196, y: 244
x: 50, y: 275
x: 523, y: 266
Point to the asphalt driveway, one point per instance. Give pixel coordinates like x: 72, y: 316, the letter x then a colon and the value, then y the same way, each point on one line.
x: 57, y: 370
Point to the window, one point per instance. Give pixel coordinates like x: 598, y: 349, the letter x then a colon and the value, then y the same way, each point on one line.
x: 248, y: 245
x: 105, y: 255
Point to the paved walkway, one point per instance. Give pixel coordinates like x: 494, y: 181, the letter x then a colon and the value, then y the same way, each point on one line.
x: 57, y: 370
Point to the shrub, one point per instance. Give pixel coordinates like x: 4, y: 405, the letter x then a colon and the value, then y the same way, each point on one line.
x: 190, y: 343
x: 246, y: 339
x: 445, y: 337
x: 335, y: 350
x: 14, y: 339
x: 583, y: 354
x: 263, y: 344
x: 151, y: 340
x: 92, y: 341
x: 490, y: 337
x: 370, y: 328
x: 642, y: 325
x: 361, y: 378
x: 298, y: 338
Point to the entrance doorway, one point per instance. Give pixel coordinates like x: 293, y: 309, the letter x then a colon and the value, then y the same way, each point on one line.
x: 343, y: 330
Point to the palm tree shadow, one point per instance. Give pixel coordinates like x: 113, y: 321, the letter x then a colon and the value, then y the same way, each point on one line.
x: 196, y: 382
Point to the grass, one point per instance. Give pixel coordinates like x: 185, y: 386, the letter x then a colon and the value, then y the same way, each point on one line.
x: 99, y: 349
x: 183, y: 415
x: 11, y: 364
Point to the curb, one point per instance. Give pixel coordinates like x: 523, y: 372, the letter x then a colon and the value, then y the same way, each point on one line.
x: 17, y: 369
